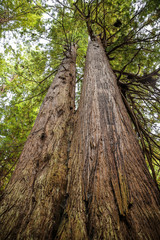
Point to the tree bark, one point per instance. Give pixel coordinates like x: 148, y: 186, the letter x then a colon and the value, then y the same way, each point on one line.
x: 102, y: 189
x: 33, y: 202
x: 111, y: 194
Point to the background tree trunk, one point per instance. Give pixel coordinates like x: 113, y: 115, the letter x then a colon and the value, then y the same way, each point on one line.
x: 32, y: 204
x: 111, y: 194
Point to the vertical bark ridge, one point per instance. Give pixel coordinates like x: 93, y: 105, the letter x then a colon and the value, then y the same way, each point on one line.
x: 111, y: 194
x: 34, y: 200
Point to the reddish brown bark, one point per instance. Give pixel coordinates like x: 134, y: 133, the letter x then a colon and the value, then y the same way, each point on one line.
x: 32, y: 204
x: 111, y: 193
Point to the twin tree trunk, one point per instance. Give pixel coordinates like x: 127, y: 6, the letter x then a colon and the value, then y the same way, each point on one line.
x: 82, y: 176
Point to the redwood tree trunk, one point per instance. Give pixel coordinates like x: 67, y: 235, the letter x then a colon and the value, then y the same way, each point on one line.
x: 32, y: 204
x: 111, y: 194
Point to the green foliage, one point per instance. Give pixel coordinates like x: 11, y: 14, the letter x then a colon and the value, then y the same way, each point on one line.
x: 15, y: 14
x: 34, y: 36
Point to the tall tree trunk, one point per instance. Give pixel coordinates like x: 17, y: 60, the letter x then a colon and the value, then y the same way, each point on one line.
x: 32, y: 204
x: 111, y: 194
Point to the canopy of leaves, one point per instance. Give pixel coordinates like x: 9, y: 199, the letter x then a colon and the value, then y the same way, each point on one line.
x: 34, y: 36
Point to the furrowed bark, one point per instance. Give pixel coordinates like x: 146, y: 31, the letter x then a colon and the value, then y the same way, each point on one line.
x: 111, y: 194
x: 34, y: 200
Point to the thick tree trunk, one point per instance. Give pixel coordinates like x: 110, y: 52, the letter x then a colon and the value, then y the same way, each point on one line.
x: 111, y: 194
x: 32, y: 204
